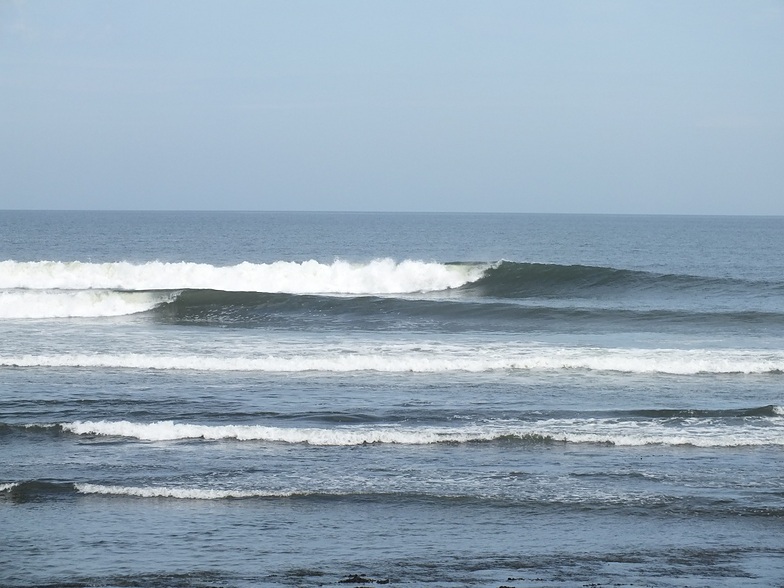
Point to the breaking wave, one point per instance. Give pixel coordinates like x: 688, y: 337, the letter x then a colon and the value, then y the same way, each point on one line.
x: 536, y: 496
x: 49, y: 289
x: 381, y: 276
x: 706, y: 432
x: 77, y: 303
x: 175, y: 492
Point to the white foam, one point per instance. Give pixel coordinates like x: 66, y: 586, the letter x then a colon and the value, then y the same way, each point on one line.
x: 169, y: 492
x: 381, y: 276
x: 171, y: 431
x: 622, y: 433
x: 432, y: 358
x: 8, y: 487
x: 77, y: 303
x: 779, y: 410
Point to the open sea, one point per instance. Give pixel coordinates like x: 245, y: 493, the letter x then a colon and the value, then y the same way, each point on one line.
x: 220, y: 400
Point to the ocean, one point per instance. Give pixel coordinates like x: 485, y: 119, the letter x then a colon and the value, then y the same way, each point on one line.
x: 204, y: 400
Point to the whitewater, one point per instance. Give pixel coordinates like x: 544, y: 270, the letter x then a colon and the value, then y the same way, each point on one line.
x: 49, y: 289
x: 703, y: 432
x: 436, y: 359
x: 380, y: 276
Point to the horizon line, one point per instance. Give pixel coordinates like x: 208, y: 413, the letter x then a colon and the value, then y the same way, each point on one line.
x: 388, y: 212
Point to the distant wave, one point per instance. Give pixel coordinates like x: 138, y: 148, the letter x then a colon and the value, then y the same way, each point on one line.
x: 434, y: 358
x: 700, y: 432
x: 48, y: 289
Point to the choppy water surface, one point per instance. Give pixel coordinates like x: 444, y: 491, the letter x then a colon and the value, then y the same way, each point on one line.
x: 229, y: 399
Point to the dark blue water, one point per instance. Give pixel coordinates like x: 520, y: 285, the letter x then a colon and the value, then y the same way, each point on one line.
x: 296, y: 399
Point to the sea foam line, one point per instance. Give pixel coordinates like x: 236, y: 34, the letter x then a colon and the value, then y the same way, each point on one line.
x: 171, y: 431
x: 425, y: 358
x: 699, y: 433
x: 171, y: 492
x: 380, y: 276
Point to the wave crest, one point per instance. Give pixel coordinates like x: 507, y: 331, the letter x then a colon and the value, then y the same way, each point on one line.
x: 698, y: 432
x: 175, y: 492
x: 380, y: 276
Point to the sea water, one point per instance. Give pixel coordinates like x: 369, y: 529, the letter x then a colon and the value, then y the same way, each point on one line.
x: 319, y: 399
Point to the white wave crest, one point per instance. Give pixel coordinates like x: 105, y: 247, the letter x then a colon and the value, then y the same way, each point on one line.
x: 381, y: 276
x: 699, y: 433
x: 8, y: 487
x: 167, y: 492
x: 171, y: 431
x: 77, y: 303
x: 431, y: 358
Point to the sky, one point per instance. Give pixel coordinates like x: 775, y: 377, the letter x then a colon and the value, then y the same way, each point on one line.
x: 541, y: 106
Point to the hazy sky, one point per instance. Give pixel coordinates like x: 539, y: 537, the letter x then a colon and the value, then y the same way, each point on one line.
x: 520, y: 106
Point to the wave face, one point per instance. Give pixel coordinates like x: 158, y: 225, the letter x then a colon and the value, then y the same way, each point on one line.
x: 529, y: 280
x: 520, y: 280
